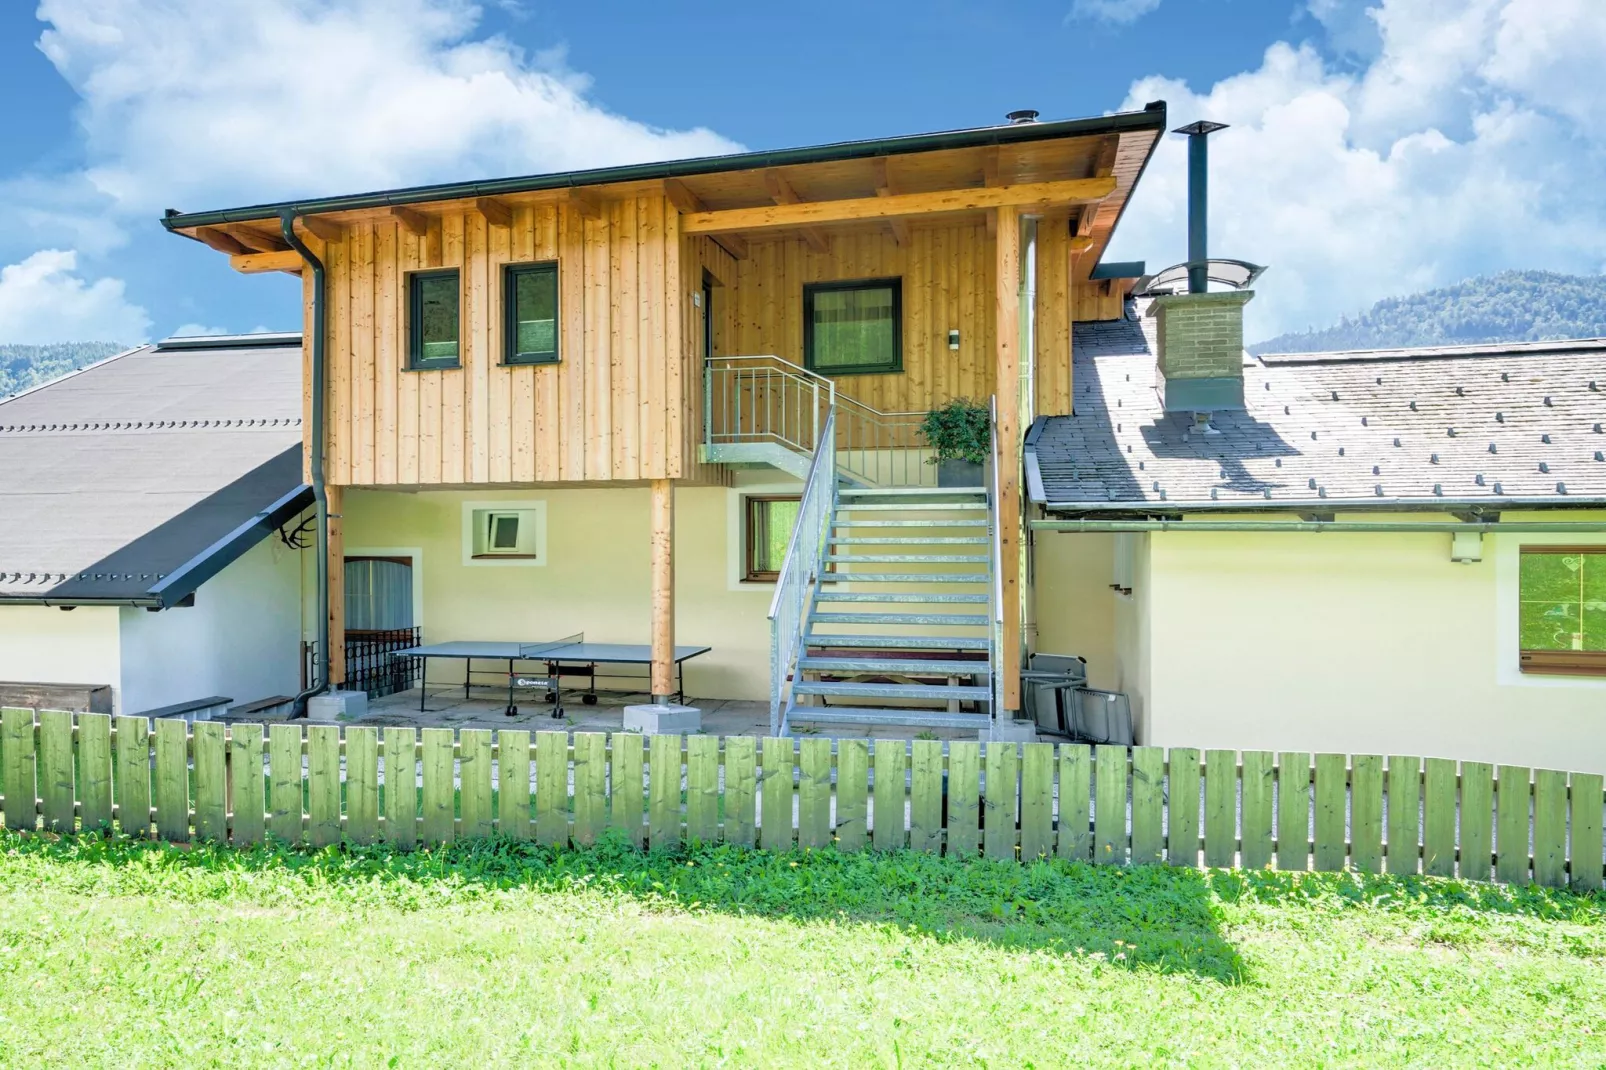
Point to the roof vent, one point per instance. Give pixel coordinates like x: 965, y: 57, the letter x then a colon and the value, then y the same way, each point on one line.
x: 1025, y: 115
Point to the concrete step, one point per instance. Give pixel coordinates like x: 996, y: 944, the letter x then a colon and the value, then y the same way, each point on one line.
x: 894, y: 666
x: 949, y: 620
x: 939, y: 692
x: 848, y: 559
x: 905, y: 577
x: 909, y: 523
x: 910, y: 507
x: 915, y: 492
x: 911, y: 540
x: 900, y: 596
x: 871, y: 716
x: 895, y: 642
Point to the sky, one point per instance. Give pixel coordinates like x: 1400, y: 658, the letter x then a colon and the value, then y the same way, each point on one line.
x: 1374, y: 148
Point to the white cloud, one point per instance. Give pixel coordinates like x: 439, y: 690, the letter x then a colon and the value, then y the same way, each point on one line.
x: 199, y: 104
x: 197, y: 330
x: 1119, y: 11
x: 1469, y: 140
x: 42, y: 300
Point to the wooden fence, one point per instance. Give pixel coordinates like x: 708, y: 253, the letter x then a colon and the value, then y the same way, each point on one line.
x: 321, y: 784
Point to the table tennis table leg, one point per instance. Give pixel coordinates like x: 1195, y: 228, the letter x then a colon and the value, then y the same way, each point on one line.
x: 468, y: 676
x: 423, y: 681
x: 680, y: 681
x: 554, y: 688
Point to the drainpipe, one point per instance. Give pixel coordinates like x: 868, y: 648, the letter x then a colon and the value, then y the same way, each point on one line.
x: 1027, y: 407
x: 319, y: 493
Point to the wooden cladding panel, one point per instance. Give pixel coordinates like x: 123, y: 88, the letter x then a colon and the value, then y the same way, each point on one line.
x: 1051, y: 357
x: 611, y: 409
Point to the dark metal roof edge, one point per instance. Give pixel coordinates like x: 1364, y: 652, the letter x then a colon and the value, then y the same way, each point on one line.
x: 1153, y: 117
x: 1117, y: 269
x: 188, y: 577
x: 1430, y: 352
x: 76, y: 371
x: 46, y: 600
x: 260, y: 340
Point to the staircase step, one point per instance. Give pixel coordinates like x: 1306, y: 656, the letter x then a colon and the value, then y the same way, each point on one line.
x: 909, y: 523
x: 899, y: 596
x: 913, y: 492
x: 902, y: 507
x: 848, y: 559
x: 939, y: 692
x: 820, y: 641
x: 911, y: 718
x: 912, y: 540
x: 894, y: 666
x: 905, y: 577
x: 954, y: 620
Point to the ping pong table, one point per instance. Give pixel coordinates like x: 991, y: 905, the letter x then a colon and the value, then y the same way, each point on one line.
x: 570, y: 656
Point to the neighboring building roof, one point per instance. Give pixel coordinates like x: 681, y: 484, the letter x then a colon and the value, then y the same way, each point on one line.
x: 1490, y: 426
x: 134, y: 480
x: 1151, y: 118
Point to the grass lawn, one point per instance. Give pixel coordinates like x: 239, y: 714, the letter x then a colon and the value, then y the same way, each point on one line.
x: 114, y: 953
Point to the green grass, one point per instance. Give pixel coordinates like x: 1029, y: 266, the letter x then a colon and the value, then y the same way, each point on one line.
x: 117, y: 953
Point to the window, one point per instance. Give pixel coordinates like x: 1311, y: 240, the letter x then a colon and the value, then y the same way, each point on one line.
x: 851, y: 328
x: 432, y: 300
x: 530, y: 301
x: 1562, y: 610
x: 379, y: 594
x: 504, y: 532
x: 767, y: 522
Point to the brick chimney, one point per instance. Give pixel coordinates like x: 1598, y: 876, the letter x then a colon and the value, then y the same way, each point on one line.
x: 1201, y: 350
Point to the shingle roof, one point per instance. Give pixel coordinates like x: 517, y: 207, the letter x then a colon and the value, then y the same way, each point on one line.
x: 1436, y: 426
x: 116, y: 476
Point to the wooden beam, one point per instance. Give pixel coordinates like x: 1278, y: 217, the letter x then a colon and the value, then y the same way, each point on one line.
x: 884, y: 187
x: 764, y: 217
x: 222, y: 242
x: 586, y: 202
x: 327, y: 229
x: 782, y: 192
x: 989, y: 178
x: 258, y: 263
x: 415, y: 221
x: 1081, y: 244
x: 733, y: 244
x: 663, y: 589
x: 337, y: 585
x: 255, y: 240
x: 681, y: 196
x: 497, y: 213
x: 1006, y: 315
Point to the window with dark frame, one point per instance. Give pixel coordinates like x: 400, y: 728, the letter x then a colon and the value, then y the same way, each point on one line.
x: 1561, y: 598
x: 767, y: 526
x: 530, y: 310
x: 853, y: 328
x: 434, y: 323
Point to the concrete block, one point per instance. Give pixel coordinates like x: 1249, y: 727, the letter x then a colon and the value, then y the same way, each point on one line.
x: 332, y: 706
x: 1010, y: 731
x: 655, y: 720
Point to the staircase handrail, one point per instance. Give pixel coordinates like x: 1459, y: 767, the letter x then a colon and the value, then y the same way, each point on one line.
x: 798, y: 580
x: 995, y: 554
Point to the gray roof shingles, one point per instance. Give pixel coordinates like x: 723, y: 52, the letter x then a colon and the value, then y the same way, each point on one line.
x: 1474, y: 424
x: 112, y: 477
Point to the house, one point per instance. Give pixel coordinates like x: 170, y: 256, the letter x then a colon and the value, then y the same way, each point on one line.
x: 680, y: 403
x: 147, y: 549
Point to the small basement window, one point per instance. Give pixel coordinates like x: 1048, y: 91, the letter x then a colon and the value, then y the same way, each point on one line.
x: 767, y: 523
x: 504, y: 533
x: 1562, y: 610
x: 433, y: 320
x: 853, y: 328
x: 530, y: 301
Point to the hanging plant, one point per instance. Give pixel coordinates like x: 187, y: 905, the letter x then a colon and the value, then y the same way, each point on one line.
x: 957, y: 431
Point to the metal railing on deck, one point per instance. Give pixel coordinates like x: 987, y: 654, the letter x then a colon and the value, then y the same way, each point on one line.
x: 764, y: 399
x: 995, y: 553
x: 799, y: 576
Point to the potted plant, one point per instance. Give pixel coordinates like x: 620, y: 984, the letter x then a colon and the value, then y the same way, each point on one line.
x: 957, y: 433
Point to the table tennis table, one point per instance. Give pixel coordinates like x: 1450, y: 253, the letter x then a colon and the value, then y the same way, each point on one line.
x: 570, y: 656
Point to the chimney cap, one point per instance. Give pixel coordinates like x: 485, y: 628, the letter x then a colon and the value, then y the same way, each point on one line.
x: 1025, y: 115
x: 1203, y: 126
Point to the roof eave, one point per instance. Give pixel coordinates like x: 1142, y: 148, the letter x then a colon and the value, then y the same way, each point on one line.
x: 1153, y: 117
x: 1324, y: 505
x: 188, y: 577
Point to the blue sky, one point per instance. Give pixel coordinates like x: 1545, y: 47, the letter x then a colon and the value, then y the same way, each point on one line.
x: 1375, y: 149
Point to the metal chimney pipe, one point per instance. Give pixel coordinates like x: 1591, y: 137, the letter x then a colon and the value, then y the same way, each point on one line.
x: 1198, y: 201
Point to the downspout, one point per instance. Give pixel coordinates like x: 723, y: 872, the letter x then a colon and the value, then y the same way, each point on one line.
x: 320, y: 493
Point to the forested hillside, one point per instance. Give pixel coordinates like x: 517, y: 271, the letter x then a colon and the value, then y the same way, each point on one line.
x: 24, y: 366
x: 1513, y: 306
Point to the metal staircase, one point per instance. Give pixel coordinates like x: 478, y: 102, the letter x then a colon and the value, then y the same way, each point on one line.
x: 898, y: 628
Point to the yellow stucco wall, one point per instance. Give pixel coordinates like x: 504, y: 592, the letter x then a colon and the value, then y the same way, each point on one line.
x: 1358, y: 643
x: 1075, y: 607
x: 596, y: 579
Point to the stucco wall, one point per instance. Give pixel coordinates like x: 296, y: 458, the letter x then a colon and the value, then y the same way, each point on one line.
x: 44, y: 644
x: 1364, y: 643
x: 1075, y: 606
x: 241, y: 639
x: 596, y: 579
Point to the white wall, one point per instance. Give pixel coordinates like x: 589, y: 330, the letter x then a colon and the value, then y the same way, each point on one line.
x: 241, y: 639
x: 44, y: 644
x: 1358, y: 643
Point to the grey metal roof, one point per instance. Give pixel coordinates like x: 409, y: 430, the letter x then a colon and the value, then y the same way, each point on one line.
x: 1496, y: 426
x: 164, y: 459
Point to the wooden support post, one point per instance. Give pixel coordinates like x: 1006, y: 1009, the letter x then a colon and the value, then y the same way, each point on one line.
x: 1007, y: 330
x: 337, y: 588
x: 663, y: 589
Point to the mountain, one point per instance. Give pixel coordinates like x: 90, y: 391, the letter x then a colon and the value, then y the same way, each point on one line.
x: 1513, y: 306
x: 22, y: 366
